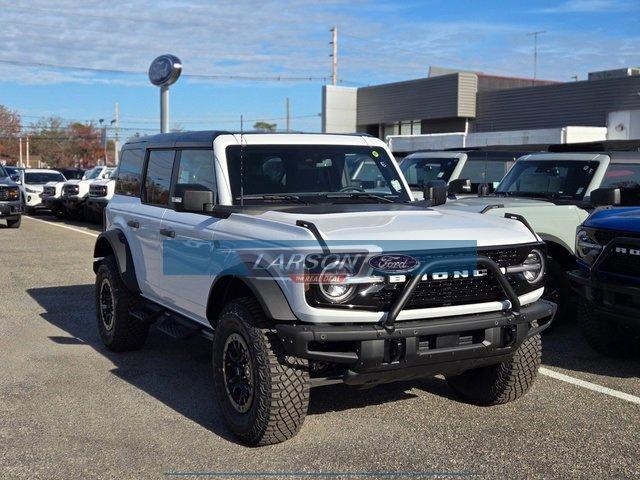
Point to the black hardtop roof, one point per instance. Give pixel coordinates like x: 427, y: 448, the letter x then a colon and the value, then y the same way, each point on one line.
x: 206, y: 137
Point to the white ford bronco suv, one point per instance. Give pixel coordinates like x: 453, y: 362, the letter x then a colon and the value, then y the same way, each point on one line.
x: 304, y: 271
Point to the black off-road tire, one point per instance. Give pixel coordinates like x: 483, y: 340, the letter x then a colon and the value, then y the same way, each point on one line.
x: 558, y: 291
x: 121, y: 332
x: 15, y: 223
x: 604, y: 336
x: 280, y: 384
x: 503, y: 382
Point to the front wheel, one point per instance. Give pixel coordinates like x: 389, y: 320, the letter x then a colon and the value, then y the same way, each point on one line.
x: 14, y: 223
x: 604, y: 336
x: 501, y: 383
x: 557, y: 290
x: 263, y: 394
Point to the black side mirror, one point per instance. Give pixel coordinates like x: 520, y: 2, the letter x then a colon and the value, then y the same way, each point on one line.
x: 193, y: 198
x: 435, y: 192
x: 626, y: 196
x: 486, y: 189
x: 460, y: 185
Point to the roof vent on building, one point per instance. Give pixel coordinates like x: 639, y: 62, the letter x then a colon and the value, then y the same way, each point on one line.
x: 618, y: 73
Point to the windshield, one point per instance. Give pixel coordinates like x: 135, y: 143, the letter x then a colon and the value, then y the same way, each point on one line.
x: 621, y: 175
x: 547, y: 178
x: 419, y: 170
x: 313, y: 171
x: 40, y: 178
x: 92, y: 174
x: 480, y: 171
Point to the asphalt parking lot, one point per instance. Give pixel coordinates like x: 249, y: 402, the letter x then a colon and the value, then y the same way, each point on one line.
x: 69, y: 408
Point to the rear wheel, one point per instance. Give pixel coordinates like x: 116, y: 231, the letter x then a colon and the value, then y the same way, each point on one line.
x: 263, y: 394
x: 14, y: 223
x: 604, y: 336
x: 119, y: 331
x: 501, y: 383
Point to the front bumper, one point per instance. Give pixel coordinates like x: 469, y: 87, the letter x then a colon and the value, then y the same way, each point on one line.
x: 73, y: 202
x: 10, y: 209
x: 97, y: 204
x: 374, y: 354
x: 613, y: 300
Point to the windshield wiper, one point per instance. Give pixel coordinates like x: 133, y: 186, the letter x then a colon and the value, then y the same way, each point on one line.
x: 356, y: 195
x: 275, y: 196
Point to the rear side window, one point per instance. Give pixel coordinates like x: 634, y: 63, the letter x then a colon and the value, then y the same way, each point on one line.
x: 621, y: 175
x: 129, y: 177
x: 158, y: 178
x: 196, y: 167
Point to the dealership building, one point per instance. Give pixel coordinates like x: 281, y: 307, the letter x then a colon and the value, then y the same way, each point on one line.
x: 455, y: 109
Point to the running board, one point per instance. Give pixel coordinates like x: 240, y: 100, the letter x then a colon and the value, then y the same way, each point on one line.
x: 178, y: 327
x: 146, y: 312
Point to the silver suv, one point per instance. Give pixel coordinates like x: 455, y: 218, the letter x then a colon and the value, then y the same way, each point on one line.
x: 305, y: 261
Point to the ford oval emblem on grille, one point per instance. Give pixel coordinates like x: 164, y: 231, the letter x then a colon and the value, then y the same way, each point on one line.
x: 393, y: 263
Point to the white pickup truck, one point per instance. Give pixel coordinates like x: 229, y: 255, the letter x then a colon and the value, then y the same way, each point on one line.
x: 76, y: 192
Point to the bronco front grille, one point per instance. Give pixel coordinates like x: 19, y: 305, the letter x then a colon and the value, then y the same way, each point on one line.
x: 624, y: 259
x: 464, y: 290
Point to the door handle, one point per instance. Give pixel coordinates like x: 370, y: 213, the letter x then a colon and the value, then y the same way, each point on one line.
x: 133, y: 224
x: 167, y: 233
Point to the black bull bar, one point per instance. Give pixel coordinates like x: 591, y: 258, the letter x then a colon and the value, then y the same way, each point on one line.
x: 389, y: 322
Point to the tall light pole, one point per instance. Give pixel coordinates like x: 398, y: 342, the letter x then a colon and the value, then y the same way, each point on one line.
x: 164, y: 71
x: 535, y: 52
x: 334, y: 55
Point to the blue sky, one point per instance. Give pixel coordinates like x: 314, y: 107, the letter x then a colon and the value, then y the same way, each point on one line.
x: 379, y: 42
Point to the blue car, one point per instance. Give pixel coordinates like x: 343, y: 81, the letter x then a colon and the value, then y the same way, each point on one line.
x: 608, y: 276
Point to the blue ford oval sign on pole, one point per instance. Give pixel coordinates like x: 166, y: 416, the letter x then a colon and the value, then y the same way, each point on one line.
x: 164, y: 71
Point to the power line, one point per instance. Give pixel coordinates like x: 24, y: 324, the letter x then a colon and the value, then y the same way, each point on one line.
x: 277, y: 78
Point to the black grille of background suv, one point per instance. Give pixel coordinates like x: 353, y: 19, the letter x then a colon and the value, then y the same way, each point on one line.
x: 617, y: 262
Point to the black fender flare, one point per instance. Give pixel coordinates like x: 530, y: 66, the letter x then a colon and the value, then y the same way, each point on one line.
x: 265, y: 289
x: 113, y: 242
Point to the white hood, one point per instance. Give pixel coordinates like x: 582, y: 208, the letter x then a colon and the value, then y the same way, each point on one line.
x: 478, y: 204
x: 413, y: 224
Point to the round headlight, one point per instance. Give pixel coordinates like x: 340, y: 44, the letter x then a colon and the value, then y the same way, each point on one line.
x: 587, y: 249
x: 333, y: 285
x: 534, y: 264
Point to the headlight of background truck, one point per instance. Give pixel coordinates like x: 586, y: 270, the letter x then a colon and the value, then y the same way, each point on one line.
x: 587, y: 248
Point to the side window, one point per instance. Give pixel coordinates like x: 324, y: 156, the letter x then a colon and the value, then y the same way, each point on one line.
x: 129, y: 176
x: 158, y: 178
x: 197, y: 167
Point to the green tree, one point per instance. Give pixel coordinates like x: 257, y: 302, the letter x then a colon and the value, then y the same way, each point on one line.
x: 10, y: 128
x: 265, y: 126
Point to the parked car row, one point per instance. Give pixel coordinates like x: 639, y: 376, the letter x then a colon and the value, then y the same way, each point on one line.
x: 68, y: 193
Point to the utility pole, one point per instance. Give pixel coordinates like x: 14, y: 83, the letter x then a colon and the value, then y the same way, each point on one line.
x: 535, y: 52
x: 27, y: 146
x: 20, y: 149
x: 334, y: 55
x: 116, y: 141
x: 288, y: 116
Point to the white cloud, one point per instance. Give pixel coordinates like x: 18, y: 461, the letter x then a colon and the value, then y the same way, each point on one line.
x: 270, y: 37
x: 588, y: 6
